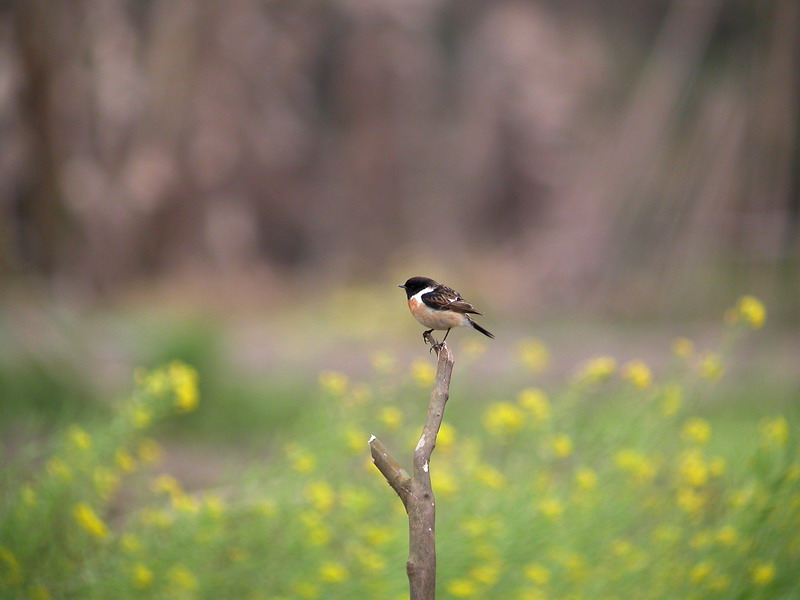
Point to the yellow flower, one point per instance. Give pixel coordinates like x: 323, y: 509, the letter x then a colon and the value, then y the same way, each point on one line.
x: 106, y: 482
x: 444, y: 483
x: 446, y: 437
x: 637, y: 465
x: 125, y: 461
x: 333, y: 572
x: 28, y: 495
x: 748, y: 310
x: 58, y: 468
x: 692, y: 469
x: 378, y: 536
x: 486, y: 574
x: 142, y: 576
x: 142, y: 417
x: 727, y: 536
x: 422, y: 372
x: 130, y: 543
x: 586, y: 478
x: 39, y: 592
x: 671, y: 400
x: 307, y: 591
x: 503, y: 418
x: 88, y: 520
x: 711, y: 367
x: 533, y: 353
x: 333, y: 382
x: 79, y: 438
x: 562, y: 445
x: 10, y: 568
x: 149, y: 452
x: 537, y: 573
x: 391, y: 416
x: 462, y: 588
x: 491, y: 477
x: 370, y: 561
x: 551, y: 508
x: 690, y: 500
x: 536, y: 403
x: 637, y: 373
x: 300, y: 459
x: 701, y: 571
x: 166, y: 484
x: 184, y: 382
x: 182, y: 578
x: 683, y: 347
x: 383, y: 361
x: 774, y: 432
x: 185, y: 504
x: 696, y: 430
x: 762, y: 573
x: 598, y: 369
x: 355, y: 440
x: 321, y: 496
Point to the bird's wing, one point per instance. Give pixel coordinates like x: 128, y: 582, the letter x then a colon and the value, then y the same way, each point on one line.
x: 445, y: 298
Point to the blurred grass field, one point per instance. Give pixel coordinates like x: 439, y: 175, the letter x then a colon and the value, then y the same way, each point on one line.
x: 672, y: 475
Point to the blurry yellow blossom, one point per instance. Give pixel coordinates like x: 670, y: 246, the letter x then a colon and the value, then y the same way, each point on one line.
x: 142, y: 417
x: 671, y: 400
x: 666, y: 534
x: 355, y: 440
x: 486, y: 574
x: 149, y: 451
x: 491, y: 477
x: 321, y: 496
x: 446, y: 437
x: 142, y: 576
x: 637, y: 465
x: 391, y: 416
x: 39, y: 592
x: 383, y: 361
x: 462, y: 588
x: 166, y: 484
x: 552, y: 508
x: 531, y: 594
x: 533, y: 353
x: 719, y: 582
x: 58, y: 468
x: 89, y: 521
x: 598, y: 369
x: 333, y: 382
x: 79, y: 438
x: 106, y: 482
x: 10, y: 568
x: 762, y: 573
x: 749, y: 311
x: 371, y: 561
x: 537, y: 573
x: 300, y: 459
x: 536, y: 403
x: 130, y: 543
x: 711, y: 367
x: 716, y: 466
x: 702, y: 539
x: 701, y: 571
x: 690, y: 500
x: 355, y: 499
x: 125, y: 461
x: 185, y: 504
x: 333, y: 572
x: 28, y: 495
x: 562, y: 445
x: 182, y: 578
x: 683, y: 347
x: 696, y: 431
x: 444, y: 483
x: 621, y: 547
x: 774, y: 431
x: 306, y: 590
x: 503, y: 418
x: 586, y: 478
x: 637, y: 373
x: 474, y: 349
x: 379, y: 536
x: 727, y: 535
x: 422, y: 372
x: 692, y: 469
x: 184, y: 382
x: 575, y: 564
x: 360, y: 393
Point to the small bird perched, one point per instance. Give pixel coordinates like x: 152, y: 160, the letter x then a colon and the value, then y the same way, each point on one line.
x: 439, y: 307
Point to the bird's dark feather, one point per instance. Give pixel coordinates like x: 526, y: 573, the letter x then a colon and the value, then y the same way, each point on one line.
x: 445, y: 298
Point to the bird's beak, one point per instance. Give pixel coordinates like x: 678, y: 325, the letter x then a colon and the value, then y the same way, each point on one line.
x: 402, y: 286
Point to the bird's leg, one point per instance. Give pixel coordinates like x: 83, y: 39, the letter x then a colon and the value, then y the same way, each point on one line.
x: 445, y: 336
x: 438, y: 345
x: 429, y: 339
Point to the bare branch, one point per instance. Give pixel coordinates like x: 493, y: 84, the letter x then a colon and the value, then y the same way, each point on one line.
x: 417, y: 493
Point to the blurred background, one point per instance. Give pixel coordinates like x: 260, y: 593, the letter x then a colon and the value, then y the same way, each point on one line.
x: 252, y: 179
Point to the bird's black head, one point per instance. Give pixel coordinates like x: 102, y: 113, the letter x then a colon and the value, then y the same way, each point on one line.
x: 415, y: 284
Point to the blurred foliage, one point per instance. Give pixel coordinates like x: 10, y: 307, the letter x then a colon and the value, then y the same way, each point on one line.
x: 638, y: 155
x: 621, y: 480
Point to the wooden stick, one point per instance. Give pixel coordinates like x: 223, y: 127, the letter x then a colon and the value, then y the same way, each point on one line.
x: 416, y: 492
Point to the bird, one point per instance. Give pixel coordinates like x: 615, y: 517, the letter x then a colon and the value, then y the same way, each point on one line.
x: 437, y: 306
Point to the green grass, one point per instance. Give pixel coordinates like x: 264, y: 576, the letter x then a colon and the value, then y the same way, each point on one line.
x: 614, y: 482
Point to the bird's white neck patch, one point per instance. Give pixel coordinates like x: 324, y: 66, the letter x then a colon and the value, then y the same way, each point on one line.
x: 418, y: 295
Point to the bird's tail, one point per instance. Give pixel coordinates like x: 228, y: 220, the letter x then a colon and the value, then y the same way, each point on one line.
x: 481, y: 329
